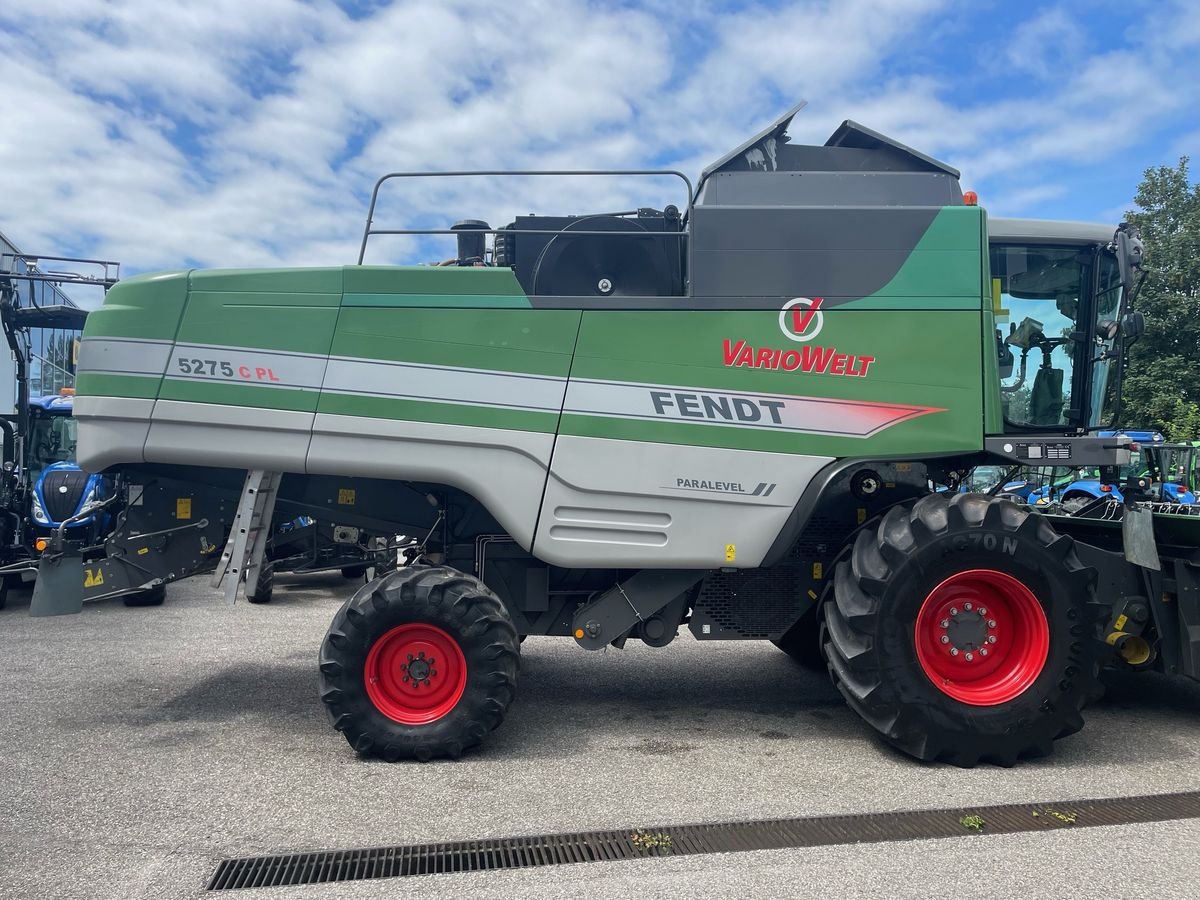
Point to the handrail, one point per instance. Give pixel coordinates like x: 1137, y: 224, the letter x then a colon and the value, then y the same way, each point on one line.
x: 368, y: 230
x: 110, y: 274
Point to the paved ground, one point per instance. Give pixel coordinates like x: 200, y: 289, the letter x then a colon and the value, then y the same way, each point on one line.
x: 139, y: 746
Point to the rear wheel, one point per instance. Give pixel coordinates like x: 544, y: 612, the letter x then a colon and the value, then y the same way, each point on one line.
x: 965, y: 630
x: 421, y: 663
x: 264, y: 584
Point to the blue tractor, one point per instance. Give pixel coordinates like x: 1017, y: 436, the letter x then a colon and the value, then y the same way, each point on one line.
x: 41, y: 487
x: 61, y: 490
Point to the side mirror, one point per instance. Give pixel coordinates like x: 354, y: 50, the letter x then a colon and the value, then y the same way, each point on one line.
x: 1130, y: 252
x: 1133, y: 324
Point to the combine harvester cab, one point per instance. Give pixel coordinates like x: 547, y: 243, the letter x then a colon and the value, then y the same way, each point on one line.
x: 723, y: 410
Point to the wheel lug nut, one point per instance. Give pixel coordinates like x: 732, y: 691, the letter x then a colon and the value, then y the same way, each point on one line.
x: 954, y: 651
x: 991, y: 623
x: 406, y: 679
x: 991, y: 639
x: 954, y: 610
x: 982, y: 611
x: 421, y: 654
x: 967, y: 607
x: 410, y: 657
x: 969, y: 657
x: 432, y: 661
x: 945, y: 638
x: 426, y: 682
x: 433, y: 671
x: 983, y: 651
x: 945, y: 623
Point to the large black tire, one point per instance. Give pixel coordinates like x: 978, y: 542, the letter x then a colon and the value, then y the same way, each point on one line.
x: 872, y: 626
x: 264, y: 585
x: 469, y: 621
x: 151, y: 597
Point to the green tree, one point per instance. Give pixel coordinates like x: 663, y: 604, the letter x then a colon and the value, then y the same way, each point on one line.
x: 1162, y: 384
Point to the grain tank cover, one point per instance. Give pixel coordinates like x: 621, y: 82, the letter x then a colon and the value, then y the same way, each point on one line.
x: 776, y: 220
x: 857, y: 166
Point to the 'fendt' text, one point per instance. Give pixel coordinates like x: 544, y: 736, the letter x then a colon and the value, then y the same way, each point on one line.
x: 717, y: 407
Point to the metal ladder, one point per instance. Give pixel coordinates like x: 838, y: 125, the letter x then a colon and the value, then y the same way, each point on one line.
x: 242, y: 559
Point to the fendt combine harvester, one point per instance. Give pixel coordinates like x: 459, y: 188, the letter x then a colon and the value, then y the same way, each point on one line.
x: 730, y: 413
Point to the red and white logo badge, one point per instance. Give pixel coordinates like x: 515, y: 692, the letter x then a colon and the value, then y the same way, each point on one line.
x: 801, y: 319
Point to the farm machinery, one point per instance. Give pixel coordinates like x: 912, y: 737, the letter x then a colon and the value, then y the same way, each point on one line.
x: 729, y: 412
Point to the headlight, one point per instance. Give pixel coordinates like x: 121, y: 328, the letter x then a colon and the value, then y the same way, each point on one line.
x: 39, y: 514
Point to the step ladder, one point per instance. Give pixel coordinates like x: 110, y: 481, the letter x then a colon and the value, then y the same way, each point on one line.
x: 242, y: 559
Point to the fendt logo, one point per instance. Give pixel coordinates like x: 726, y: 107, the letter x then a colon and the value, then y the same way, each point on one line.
x: 801, y: 319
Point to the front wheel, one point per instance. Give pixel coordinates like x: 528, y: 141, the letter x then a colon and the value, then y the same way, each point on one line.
x: 965, y: 630
x: 418, y: 664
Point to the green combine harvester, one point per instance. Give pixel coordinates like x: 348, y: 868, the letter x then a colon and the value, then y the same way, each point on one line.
x: 729, y: 412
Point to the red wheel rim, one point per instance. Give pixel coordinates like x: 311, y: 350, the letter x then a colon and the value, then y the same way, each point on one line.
x: 982, y: 637
x: 415, y: 674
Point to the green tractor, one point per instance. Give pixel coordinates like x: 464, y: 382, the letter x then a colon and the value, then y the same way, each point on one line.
x: 729, y: 412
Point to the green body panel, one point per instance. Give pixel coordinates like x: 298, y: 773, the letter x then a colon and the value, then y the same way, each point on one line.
x: 302, y: 323
x: 942, y: 271
x: 917, y: 358
x: 145, y: 307
x: 536, y: 342
x: 921, y: 341
x: 102, y: 384
x: 472, y: 285
x: 239, y: 395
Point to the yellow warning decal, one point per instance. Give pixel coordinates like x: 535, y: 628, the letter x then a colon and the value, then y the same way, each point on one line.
x: 1119, y: 625
x: 183, y: 508
x: 345, y: 496
x: 862, y: 515
x: 812, y: 593
x: 730, y: 552
x: 93, y: 577
x: 143, y: 551
x: 818, y: 571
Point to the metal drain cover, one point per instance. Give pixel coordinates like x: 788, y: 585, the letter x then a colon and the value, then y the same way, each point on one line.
x: 689, y: 840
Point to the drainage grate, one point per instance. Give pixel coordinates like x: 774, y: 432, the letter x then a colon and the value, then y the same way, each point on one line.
x: 688, y: 840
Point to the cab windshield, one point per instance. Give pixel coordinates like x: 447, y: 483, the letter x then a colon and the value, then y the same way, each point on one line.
x: 1048, y: 303
x: 51, y: 440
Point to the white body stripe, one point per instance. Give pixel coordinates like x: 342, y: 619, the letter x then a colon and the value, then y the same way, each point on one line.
x: 485, y: 387
x: 444, y: 385
x: 124, y: 356
x: 709, y: 406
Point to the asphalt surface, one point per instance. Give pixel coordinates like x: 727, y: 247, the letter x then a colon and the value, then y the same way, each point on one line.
x: 141, y: 746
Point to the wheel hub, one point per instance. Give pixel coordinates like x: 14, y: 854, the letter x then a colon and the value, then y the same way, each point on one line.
x: 982, y: 637
x: 967, y: 630
x: 415, y: 674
